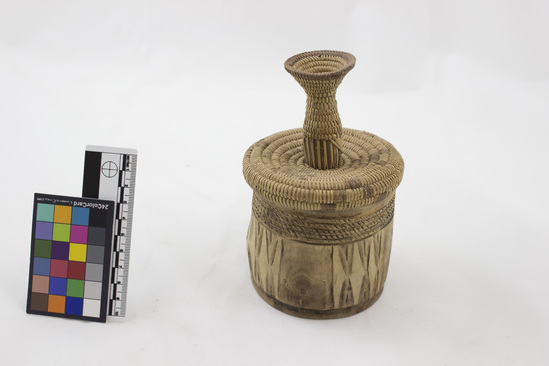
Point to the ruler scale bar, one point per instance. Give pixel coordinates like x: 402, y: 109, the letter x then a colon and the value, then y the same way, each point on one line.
x: 109, y: 173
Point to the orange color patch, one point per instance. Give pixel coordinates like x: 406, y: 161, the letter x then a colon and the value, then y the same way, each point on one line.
x: 62, y: 214
x: 56, y: 304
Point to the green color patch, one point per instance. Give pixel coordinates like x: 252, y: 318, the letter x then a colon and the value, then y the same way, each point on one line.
x: 42, y: 248
x: 75, y: 288
x: 61, y: 232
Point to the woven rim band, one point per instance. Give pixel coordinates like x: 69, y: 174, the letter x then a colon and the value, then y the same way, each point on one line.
x: 321, y: 230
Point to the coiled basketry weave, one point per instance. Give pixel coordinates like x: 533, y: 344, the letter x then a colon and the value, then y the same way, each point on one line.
x: 320, y: 235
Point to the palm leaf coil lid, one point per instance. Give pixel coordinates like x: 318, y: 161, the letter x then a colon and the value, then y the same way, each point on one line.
x: 322, y: 166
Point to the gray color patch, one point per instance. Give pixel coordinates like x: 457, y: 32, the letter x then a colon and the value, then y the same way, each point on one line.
x: 94, y: 272
x: 95, y: 254
x: 96, y: 235
x: 92, y: 290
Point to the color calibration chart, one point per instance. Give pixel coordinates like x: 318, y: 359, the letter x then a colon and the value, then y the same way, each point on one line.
x: 70, y: 257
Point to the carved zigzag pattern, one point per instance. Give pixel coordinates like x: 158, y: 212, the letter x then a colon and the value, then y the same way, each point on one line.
x: 360, y: 269
x: 349, y: 274
x: 264, y: 253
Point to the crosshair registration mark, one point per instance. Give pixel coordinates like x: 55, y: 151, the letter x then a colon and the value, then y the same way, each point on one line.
x: 109, y: 169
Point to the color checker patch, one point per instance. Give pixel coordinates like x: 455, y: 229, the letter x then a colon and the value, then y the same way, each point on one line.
x: 70, y: 257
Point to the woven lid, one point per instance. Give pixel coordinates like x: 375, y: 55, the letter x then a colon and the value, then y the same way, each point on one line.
x: 371, y: 169
x: 322, y: 166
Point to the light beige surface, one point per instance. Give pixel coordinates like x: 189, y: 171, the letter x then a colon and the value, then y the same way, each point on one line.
x: 321, y: 228
x: 459, y: 87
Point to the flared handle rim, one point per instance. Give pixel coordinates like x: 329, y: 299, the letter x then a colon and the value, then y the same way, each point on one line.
x: 322, y: 64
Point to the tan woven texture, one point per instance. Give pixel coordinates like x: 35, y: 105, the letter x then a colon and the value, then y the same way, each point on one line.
x: 371, y: 169
x: 320, y: 73
x: 320, y: 234
x: 322, y: 166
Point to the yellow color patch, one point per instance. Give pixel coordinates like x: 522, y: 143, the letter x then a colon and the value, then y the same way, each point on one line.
x: 77, y: 252
x: 62, y: 214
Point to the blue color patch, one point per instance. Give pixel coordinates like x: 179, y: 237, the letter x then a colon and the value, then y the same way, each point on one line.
x: 74, y: 305
x: 58, y: 286
x: 41, y: 266
x: 80, y: 216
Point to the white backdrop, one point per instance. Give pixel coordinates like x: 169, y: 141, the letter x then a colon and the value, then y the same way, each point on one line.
x: 461, y: 88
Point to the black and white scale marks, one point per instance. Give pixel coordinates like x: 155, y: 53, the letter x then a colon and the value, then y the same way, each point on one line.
x: 109, y: 173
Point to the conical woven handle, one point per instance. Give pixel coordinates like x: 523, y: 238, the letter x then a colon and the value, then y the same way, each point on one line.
x: 320, y: 73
